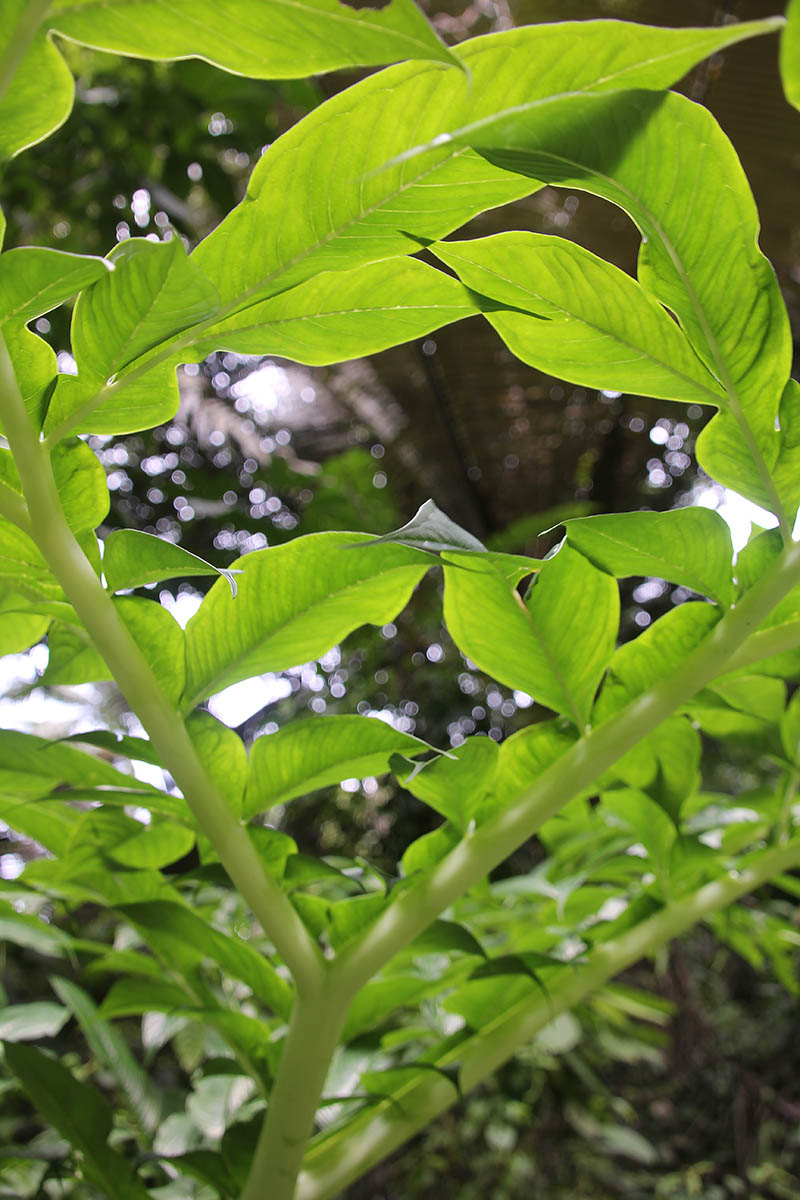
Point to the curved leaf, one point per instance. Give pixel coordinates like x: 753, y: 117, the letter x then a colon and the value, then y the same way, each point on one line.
x: 569, y: 313
x: 295, y: 601
x: 790, y: 54
x: 132, y: 558
x: 34, y: 279
x: 690, y: 546
x: 555, y: 646
x: 306, y: 755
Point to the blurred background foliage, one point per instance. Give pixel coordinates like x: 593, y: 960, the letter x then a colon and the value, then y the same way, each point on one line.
x: 682, y: 1082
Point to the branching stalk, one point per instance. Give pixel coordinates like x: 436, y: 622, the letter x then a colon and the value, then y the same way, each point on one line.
x: 335, y: 1163
x: 584, y: 762
x: 96, y: 610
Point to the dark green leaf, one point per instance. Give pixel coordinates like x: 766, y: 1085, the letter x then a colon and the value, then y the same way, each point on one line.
x: 80, y: 1114
x: 111, y: 1050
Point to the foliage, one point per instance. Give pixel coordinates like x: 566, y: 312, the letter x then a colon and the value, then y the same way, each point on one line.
x: 329, y: 988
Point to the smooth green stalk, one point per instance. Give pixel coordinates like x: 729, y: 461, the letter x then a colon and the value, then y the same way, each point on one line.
x: 334, y: 1163
x: 494, y: 841
x: 130, y: 670
x: 767, y: 642
x: 313, y: 1036
x: 28, y: 26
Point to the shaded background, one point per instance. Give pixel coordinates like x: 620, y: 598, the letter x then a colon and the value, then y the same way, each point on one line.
x: 263, y: 450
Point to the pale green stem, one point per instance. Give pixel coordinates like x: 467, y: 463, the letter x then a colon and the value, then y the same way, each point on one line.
x: 314, y: 1032
x: 96, y: 610
x: 764, y: 644
x: 18, y: 44
x: 337, y: 1161
x: 578, y: 768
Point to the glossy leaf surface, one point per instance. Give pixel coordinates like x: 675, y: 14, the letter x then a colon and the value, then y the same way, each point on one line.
x: 295, y: 602
x: 689, y: 546
x: 132, y: 558
x: 555, y: 645
x: 569, y: 313
x: 306, y: 755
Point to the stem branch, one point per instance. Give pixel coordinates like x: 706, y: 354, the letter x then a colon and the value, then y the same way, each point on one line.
x: 338, y: 1160
x: 96, y: 610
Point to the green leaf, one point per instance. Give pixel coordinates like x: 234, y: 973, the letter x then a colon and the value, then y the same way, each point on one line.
x: 264, y: 246
x: 661, y: 648
x: 22, y: 566
x: 160, y: 639
x: 72, y: 658
x: 555, y: 645
x: 429, y: 849
x: 132, y: 558
x: 349, y: 917
x: 456, y: 784
x: 431, y: 529
x: 699, y: 253
x: 344, y: 314
x: 295, y: 601
x: 130, y: 997
x: 81, y: 483
x: 29, y: 111
x: 689, y: 546
x: 55, y: 763
x: 34, y: 279
x: 223, y: 755
x: 525, y: 755
x: 153, y: 292
x: 111, y: 1050
x: 153, y: 846
x: 569, y: 313
x: 790, y: 54
x: 184, y: 938
x: 80, y: 1114
x: 35, y: 367
x: 444, y: 937
x: 30, y: 1022
x: 790, y: 729
x: 275, y: 40
x: 306, y: 755
x: 18, y: 629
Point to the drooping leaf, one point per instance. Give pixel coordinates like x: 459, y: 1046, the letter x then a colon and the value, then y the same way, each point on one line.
x: 689, y: 546
x: 110, y: 1048
x: 295, y: 601
x: 79, y: 1113
x: 184, y: 938
x: 345, y: 314
x: 223, y: 755
x: 790, y: 54
x: 555, y: 645
x: 132, y: 558
x: 569, y: 313
x: 306, y: 755
x: 354, y: 211
x: 34, y: 279
x: 457, y: 784
x: 277, y: 40
x: 699, y: 255
x: 56, y: 763
x: 154, y: 291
